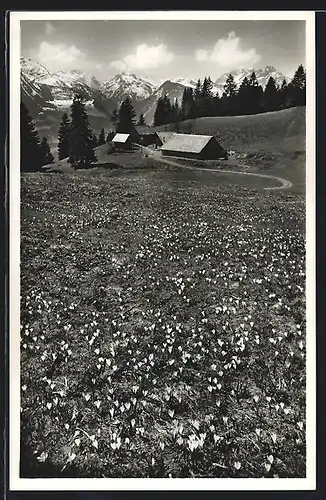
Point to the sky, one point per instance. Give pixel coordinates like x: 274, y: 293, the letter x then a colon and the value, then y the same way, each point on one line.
x: 164, y: 49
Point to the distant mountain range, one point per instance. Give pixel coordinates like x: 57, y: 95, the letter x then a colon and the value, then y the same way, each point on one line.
x: 47, y: 95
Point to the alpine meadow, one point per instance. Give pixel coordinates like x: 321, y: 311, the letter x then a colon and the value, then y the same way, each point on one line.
x: 163, y: 249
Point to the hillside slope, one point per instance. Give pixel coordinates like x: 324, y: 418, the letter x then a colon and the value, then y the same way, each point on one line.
x: 276, y: 131
x: 272, y: 141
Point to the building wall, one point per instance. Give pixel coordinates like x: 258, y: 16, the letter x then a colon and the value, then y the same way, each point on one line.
x: 181, y: 154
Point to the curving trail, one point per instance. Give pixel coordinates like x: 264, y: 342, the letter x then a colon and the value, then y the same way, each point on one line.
x: 285, y: 184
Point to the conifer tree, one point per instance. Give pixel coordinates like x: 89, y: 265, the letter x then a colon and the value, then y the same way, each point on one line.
x: 243, y: 98
x: 30, y: 154
x: 256, y: 94
x: 297, y: 88
x: 270, y: 98
x: 45, y: 151
x: 283, y: 95
x: 101, y: 138
x: 81, y: 149
x: 115, y: 118
x: 63, y: 137
x: 127, y: 117
x: 110, y: 136
x: 229, y: 96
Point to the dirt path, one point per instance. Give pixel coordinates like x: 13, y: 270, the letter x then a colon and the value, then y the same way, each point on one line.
x: 285, y: 184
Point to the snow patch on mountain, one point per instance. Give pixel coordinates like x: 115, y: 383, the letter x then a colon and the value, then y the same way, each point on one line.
x: 127, y: 85
x: 262, y: 76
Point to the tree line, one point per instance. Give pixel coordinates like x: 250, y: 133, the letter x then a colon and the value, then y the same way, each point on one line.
x: 248, y: 98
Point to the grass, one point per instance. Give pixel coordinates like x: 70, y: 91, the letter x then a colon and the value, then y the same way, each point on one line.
x: 162, y: 326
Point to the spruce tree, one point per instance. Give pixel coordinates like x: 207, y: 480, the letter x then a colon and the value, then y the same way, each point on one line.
x: 45, y: 151
x: 81, y: 149
x: 206, y: 97
x: 30, y: 154
x: 283, y: 95
x: 63, y: 137
x: 159, y: 115
x: 198, y: 98
x: 243, y: 97
x: 229, y: 96
x: 127, y: 117
x: 110, y: 136
x: 270, y: 98
x: 101, y: 138
x: 141, y: 120
x: 115, y: 118
x: 94, y: 140
x: 256, y: 94
x: 297, y: 88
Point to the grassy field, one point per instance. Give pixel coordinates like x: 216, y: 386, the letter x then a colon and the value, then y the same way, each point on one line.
x: 162, y: 326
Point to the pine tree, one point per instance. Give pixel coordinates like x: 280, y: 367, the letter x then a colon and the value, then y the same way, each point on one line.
x: 101, y: 138
x: 283, y: 95
x: 243, y: 97
x: 256, y: 94
x: 45, y: 151
x: 63, y: 137
x: 229, y: 96
x: 141, y: 120
x: 270, y: 98
x: 206, y: 97
x: 297, y: 88
x: 159, y: 115
x: 110, y: 136
x: 127, y: 117
x: 30, y: 157
x: 94, y: 140
x: 197, y: 98
x: 81, y: 149
x: 115, y: 118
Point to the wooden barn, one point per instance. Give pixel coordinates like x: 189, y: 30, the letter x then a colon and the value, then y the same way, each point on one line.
x: 124, y: 141
x: 148, y: 136
x: 204, y: 147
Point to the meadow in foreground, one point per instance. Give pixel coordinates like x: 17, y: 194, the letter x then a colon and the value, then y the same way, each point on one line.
x: 162, y: 328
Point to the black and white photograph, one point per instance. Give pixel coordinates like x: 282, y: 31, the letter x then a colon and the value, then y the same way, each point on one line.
x: 162, y: 250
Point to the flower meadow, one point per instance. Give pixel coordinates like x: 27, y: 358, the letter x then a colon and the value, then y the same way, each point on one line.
x: 162, y: 328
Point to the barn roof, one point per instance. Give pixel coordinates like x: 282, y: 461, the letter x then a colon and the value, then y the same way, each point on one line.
x: 189, y: 143
x: 120, y: 138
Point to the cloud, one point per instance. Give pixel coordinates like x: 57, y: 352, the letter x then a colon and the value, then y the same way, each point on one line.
x: 119, y: 65
x: 145, y: 57
x: 48, y: 53
x: 227, y: 52
x: 49, y: 29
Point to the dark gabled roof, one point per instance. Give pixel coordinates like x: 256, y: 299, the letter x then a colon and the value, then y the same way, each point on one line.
x: 144, y: 130
x: 189, y: 143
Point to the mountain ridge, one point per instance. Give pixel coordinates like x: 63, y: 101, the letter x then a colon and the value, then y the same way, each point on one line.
x: 48, y: 94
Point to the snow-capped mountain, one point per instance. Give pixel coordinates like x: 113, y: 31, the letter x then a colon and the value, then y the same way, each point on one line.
x: 172, y: 90
x: 127, y: 85
x: 47, y: 95
x: 262, y: 76
x: 186, y: 82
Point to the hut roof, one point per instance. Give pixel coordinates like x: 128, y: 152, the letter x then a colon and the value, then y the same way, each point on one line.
x: 144, y: 130
x: 189, y: 143
x: 120, y: 138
